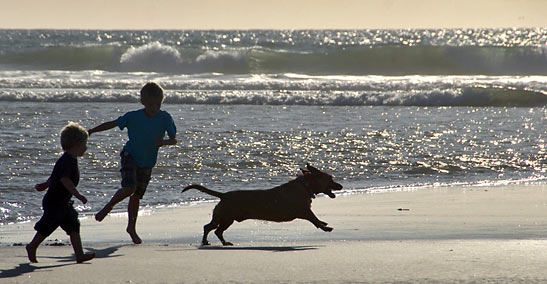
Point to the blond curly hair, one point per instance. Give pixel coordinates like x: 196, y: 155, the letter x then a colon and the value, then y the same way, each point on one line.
x: 72, y: 134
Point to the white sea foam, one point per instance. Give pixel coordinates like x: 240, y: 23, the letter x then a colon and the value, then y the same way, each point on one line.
x: 152, y: 57
x: 276, y: 89
x: 236, y: 61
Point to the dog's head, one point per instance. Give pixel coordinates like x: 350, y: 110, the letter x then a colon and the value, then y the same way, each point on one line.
x: 322, y: 182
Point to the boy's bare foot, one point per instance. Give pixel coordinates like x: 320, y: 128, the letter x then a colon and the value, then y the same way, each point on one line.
x: 85, y: 257
x: 101, y: 214
x: 31, y: 252
x: 134, y: 237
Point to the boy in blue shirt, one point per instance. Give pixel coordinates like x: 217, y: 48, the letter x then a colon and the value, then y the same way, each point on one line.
x: 146, y: 130
x: 57, y: 203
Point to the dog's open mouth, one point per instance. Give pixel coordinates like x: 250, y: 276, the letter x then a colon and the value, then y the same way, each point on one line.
x: 337, y: 186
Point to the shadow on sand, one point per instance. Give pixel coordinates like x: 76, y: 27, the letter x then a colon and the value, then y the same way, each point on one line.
x: 99, y: 253
x: 261, y: 248
x: 25, y: 268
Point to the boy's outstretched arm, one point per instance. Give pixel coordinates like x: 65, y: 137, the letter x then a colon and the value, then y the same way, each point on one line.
x: 72, y: 189
x: 102, y: 127
x: 171, y: 141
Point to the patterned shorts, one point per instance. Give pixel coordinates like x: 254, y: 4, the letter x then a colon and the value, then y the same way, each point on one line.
x: 133, y: 176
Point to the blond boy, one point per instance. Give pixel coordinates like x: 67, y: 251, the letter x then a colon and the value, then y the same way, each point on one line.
x: 57, y: 203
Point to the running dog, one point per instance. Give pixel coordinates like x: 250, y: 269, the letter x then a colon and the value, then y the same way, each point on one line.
x: 280, y: 204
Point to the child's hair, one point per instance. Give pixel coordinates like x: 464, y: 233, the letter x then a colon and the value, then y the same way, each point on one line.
x: 72, y: 134
x: 151, y: 90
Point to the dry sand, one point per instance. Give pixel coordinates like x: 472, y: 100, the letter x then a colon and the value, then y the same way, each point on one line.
x: 447, y: 235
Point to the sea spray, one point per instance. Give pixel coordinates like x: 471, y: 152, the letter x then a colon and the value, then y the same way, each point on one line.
x: 152, y: 57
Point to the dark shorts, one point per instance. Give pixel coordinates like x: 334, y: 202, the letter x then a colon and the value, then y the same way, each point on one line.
x: 133, y: 176
x: 54, y: 216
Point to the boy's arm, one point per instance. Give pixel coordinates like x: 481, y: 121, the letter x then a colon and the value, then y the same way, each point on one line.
x: 162, y: 142
x: 103, y: 127
x: 42, y: 186
x: 72, y: 189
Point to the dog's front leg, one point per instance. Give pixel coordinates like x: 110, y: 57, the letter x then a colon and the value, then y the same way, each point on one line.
x: 314, y: 220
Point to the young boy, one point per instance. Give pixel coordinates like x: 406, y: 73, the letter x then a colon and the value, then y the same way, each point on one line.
x: 57, y: 203
x: 146, y: 129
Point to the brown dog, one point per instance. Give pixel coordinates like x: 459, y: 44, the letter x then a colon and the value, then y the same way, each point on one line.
x: 280, y: 204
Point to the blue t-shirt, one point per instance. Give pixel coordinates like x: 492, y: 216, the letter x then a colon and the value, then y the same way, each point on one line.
x: 143, y: 132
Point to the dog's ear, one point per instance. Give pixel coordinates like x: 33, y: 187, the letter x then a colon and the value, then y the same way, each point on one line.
x: 311, y: 169
x: 304, y: 171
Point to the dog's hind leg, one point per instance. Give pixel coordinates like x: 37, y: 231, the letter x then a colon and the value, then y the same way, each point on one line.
x: 220, y: 230
x: 206, y: 229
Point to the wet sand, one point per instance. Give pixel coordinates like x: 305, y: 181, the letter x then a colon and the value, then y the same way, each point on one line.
x: 439, y: 235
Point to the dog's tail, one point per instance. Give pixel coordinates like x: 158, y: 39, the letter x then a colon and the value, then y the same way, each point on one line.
x: 204, y: 189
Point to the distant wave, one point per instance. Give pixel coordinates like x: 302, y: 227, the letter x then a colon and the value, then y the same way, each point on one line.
x: 467, y: 97
x: 378, y: 60
x: 472, y: 96
x: 276, y: 89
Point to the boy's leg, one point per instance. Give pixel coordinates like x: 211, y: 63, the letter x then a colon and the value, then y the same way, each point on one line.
x: 142, y: 178
x: 129, y: 184
x: 33, y: 246
x: 78, y: 249
x: 120, y: 195
x: 133, y: 212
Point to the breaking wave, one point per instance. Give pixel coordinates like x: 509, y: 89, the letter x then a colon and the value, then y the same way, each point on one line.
x: 276, y: 89
x: 153, y: 57
x: 470, y: 96
x: 379, y: 60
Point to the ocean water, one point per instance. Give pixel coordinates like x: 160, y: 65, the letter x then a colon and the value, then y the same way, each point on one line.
x: 378, y: 109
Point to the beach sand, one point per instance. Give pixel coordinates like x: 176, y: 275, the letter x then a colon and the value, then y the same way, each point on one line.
x: 486, y: 234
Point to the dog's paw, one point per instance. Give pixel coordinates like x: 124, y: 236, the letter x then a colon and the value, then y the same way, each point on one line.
x: 327, y: 229
x: 227, y: 244
x: 205, y: 243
